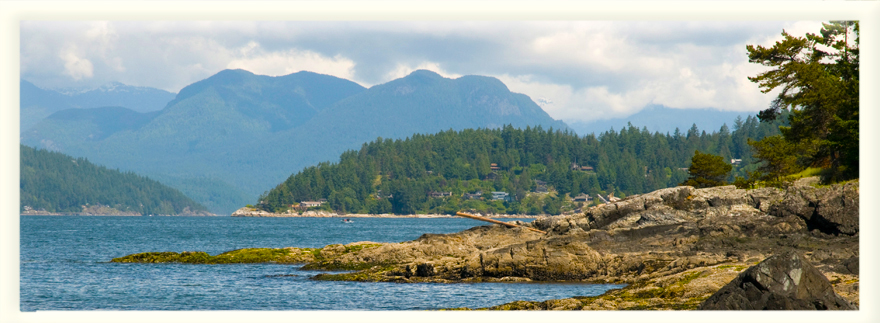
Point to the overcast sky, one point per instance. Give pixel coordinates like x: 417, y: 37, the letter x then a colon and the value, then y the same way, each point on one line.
x: 578, y: 71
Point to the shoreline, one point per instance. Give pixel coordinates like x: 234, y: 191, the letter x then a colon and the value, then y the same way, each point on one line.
x: 674, y: 248
x: 254, y: 213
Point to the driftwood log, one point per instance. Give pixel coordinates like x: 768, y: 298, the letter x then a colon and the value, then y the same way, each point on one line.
x: 471, y: 216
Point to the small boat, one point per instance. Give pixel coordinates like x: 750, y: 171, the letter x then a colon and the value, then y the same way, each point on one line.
x: 347, y: 221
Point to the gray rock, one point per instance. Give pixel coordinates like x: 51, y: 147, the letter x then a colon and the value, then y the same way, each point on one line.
x: 781, y: 282
x: 763, y: 198
x: 837, y: 210
x: 849, y: 266
x: 724, y: 196
x: 831, y: 210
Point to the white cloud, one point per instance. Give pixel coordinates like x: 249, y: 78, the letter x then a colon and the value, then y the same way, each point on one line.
x: 275, y: 63
x: 74, y: 66
x: 402, y: 70
x: 585, y: 70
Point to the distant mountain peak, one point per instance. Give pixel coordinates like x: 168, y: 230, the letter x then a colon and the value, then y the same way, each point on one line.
x: 424, y: 73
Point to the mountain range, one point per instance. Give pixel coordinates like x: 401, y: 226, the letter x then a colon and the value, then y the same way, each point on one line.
x: 38, y: 103
x: 225, y: 139
x: 658, y: 118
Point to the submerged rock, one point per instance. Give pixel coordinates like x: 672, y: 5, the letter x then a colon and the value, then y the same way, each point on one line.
x: 782, y: 282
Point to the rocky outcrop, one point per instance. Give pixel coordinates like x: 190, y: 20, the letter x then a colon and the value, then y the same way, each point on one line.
x: 833, y: 210
x: 642, y: 238
x: 782, y: 282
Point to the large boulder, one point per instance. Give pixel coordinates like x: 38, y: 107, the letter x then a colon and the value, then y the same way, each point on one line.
x: 832, y: 210
x: 781, y: 282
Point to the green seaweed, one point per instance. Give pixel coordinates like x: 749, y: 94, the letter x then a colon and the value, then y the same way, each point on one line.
x: 240, y: 256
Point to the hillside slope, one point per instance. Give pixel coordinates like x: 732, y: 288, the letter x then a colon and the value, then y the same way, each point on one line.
x: 458, y: 170
x: 57, y: 183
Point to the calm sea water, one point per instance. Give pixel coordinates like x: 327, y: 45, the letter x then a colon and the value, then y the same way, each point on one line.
x: 65, y: 266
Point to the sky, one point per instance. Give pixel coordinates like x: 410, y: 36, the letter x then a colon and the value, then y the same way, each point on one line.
x: 576, y: 70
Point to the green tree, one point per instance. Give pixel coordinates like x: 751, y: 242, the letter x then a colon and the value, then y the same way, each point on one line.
x: 819, y: 80
x: 707, y: 171
x: 779, y: 158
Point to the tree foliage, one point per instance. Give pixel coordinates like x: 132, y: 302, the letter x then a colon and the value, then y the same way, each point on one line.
x: 397, y: 176
x: 56, y: 182
x: 780, y: 158
x: 818, y: 78
x: 708, y: 170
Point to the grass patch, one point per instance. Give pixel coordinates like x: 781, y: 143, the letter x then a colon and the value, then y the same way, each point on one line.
x: 735, y: 267
x: 812, y: 171
x: 359, y: 247
x: 674, y: 290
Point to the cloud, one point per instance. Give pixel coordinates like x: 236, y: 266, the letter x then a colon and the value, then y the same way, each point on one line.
x: 275, y: 63
x: 580, y: 70
x: 74, y: 66
x: 405, y: 69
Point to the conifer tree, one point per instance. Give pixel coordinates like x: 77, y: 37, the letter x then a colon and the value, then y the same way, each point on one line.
x: 707, y: 170
x: 820, y: 89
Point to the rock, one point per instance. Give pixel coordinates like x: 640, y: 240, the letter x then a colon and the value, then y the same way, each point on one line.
x: 849, y: 266
x: 782, y: 282
x: 832, y: 210
x: 837, y: 210
x: 425, y: 270
x: 763, y: 198
x: 723, y: 196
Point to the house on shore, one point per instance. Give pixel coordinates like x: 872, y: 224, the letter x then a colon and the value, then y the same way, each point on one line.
x: 439, y: 194
x: 501, y: 196
x: 582, y: 198
x: 472, y: 196
x: 308, y: 204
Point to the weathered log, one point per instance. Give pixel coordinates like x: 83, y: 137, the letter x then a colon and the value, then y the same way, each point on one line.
x: 471, y: 216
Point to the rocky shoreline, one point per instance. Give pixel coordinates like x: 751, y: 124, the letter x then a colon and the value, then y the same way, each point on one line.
x: 257, y: 213
x: 674, y: 248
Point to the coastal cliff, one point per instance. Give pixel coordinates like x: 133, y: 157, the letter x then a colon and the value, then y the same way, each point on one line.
x: 674, y: 247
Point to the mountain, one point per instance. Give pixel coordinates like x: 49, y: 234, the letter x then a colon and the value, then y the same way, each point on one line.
x: 658, y: 118
x: 58, y: 183
x: 226, y: 139
x: 425, y: 102
x: 37, y: 103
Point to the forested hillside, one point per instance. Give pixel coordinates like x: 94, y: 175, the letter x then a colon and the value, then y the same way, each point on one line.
x: 56, y: 182
x: 432, y: 173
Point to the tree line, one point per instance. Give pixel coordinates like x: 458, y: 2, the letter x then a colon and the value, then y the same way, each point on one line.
x: 398, y: 176
x: 56, y: 182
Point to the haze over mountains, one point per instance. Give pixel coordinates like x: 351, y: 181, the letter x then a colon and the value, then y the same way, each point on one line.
x: 37, y: 103
x: 658, y: 118
x: 225, y: 139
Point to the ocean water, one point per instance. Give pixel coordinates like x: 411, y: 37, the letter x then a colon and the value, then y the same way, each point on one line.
x: 65, y: 266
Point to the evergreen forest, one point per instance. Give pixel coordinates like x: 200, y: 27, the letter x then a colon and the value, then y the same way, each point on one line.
x: 56, y: 182
x: 452, y: 171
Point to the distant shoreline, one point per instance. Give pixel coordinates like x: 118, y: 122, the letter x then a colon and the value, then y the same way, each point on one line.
x: 46, y: 213
x: 275, y: 215
x: 254, y: 213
